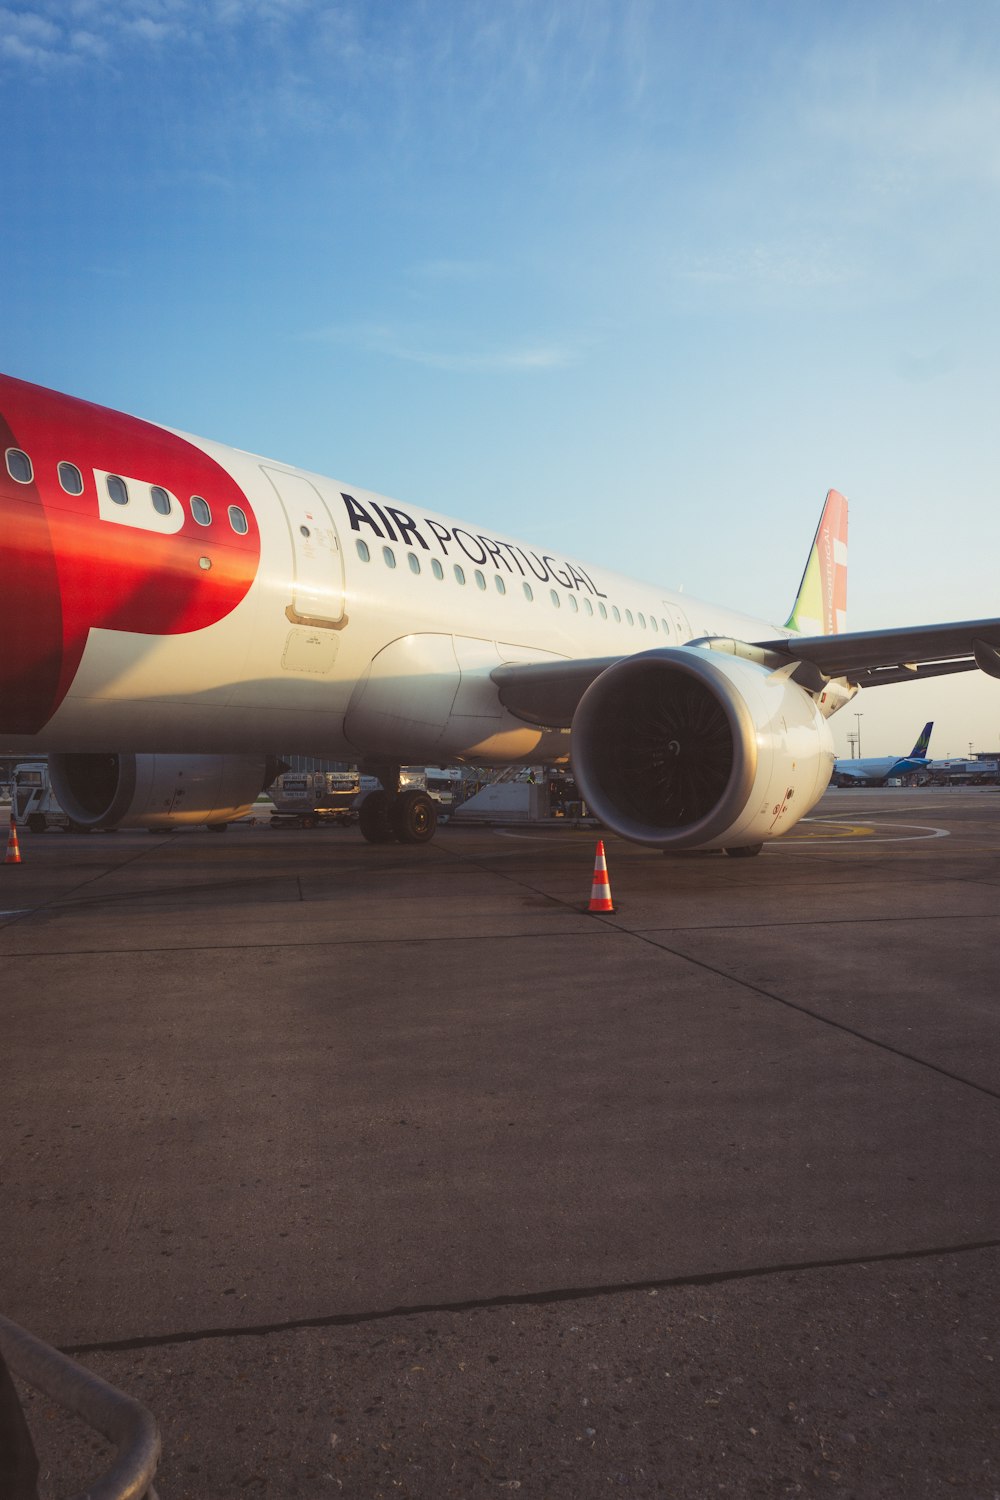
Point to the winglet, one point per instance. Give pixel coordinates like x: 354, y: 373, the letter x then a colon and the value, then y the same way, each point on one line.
x: 820, y: 606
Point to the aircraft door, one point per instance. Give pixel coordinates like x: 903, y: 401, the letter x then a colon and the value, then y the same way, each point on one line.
x: 318, y: 578
x: 678, y: 620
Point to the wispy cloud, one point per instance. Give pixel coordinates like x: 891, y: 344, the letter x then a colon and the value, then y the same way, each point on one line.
x: 914, y: 108
x: 775, y: 264
x: 417, y: 347
x: 54, y: 32
x: 28, y: 37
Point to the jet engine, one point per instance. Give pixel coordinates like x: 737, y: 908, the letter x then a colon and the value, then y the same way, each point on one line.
x: 692, y: 749
x: 158, y: 791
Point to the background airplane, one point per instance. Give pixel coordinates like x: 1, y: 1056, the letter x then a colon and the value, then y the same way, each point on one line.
x: 876, y: 770
x: 176, y: 610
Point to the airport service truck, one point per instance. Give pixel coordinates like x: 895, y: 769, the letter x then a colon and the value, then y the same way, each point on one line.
x: 314, y: 799
x: 33, y: 803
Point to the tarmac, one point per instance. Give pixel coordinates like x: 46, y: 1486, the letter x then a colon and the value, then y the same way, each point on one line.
x: 378, y: 1170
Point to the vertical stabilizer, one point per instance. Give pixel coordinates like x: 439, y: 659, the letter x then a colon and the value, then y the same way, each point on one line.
x: 820, y: 606
x: 920, y: 749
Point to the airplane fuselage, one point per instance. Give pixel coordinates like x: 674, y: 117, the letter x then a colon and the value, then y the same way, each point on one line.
x: 174, y: 594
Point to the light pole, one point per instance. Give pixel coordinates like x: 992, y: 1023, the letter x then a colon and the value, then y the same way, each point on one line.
x: 858, y: 717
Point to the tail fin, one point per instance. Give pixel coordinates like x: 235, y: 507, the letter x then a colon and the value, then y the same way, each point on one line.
x: 920, y: 749
x: 820, y: 606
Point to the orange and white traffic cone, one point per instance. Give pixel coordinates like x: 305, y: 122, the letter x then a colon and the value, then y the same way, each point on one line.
x: 600, y: 891
x: 13, y: 856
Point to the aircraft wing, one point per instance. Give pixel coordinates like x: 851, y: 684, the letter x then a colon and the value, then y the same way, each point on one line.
x: 868, y: 657
x: 548, y: 692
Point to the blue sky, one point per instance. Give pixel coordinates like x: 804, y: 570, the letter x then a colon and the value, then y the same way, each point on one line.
x: 641, y: 280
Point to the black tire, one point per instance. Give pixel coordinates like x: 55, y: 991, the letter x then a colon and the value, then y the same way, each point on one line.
x: 745, y: 851
x: 414, y: 817
x: 374, y: 819
x: 308, y: 820
x: 217, y: 827
x: 36, y: 823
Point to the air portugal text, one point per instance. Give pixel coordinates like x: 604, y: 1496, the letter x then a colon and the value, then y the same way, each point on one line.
x: 389, y: 523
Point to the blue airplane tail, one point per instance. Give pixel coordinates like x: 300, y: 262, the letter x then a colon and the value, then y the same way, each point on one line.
x: 919, y: 751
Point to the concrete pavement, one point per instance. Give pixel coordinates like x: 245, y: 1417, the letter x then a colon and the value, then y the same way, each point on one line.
x: 381, y: 1170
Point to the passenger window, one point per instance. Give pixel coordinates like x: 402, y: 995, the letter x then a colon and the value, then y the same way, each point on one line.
x: 501, y: 586
x: 160, y: 499
x: 573, y: 604
x: 642, y: 621
x: 19, y: 466
x: 414, y: 562
x: 617, y: 614
x: 459, y: 573
x: 200, y: 510
x: 652, y: 621
x: 362, y: 549
x: 555, y: 598
x: 71, y: 479
x: 480, y: 580
x: 588, y: 606
x: 388, y: 557
x: 238, y: 520
x: 603, y: 609
x: 666, y: 627
x: 528, y: 592
x: 628, y: 616
x: 117, y: 489
x: 436, y: 568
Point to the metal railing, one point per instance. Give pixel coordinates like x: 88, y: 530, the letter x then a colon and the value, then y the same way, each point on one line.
x: 120, y: 1418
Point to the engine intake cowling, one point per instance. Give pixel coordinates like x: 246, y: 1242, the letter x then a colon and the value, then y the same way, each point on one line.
x: 157, y: 791
x: 686, y: 749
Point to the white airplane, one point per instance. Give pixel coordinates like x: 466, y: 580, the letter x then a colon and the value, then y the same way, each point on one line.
x: 175, y: 611
x: 875, y: 770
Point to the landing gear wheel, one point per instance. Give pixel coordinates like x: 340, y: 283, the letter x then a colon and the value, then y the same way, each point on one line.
x: 309, y: 820
x: 217, y: 827
x: 36, y: 823
x: 373, y: 819
x: 745, y: 851
x: 414, y: 817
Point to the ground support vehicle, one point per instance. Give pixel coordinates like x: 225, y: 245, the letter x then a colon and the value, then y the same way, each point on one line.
x: 315, y: 799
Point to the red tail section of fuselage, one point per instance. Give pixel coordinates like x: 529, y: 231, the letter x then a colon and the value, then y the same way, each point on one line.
x: 80, y: 570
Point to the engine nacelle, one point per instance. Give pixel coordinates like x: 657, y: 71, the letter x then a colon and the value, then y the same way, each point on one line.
x: 157, y: 791
x: 689, y: 749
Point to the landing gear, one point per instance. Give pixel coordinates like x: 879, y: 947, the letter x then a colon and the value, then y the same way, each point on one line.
x: 744, y: 851
x: 414, y: 817
x: 374, y: 820
x: 408, y: 817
